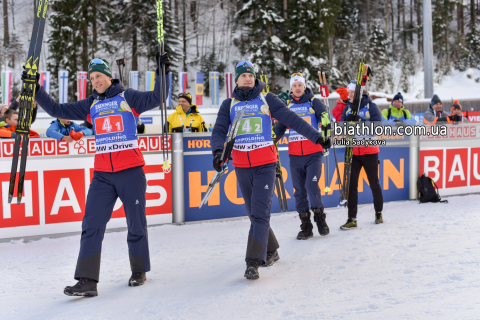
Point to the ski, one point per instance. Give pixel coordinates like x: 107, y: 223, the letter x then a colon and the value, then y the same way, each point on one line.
x: 325, y: 94
x: 357, y: 99
x: 226, y: 155
x: 27, y: 98
x: 163, y: 89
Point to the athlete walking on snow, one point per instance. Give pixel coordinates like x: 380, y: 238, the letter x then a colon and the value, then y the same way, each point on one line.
x: 306, y: 157
x: 255, y: 157
x: 114, y: 113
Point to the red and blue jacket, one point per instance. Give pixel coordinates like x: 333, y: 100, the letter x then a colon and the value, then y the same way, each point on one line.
x: 137, y: 101
x: 368, y: 111
x: 302, y: 146
x: 266, y: 153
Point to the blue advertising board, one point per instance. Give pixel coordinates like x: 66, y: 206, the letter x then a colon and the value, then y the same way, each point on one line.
x: 226, y: 201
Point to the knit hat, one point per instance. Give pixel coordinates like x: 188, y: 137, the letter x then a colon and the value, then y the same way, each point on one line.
x: 244, y: 67
x: 99, y: 65
x: 187, y: 96
x: 456, y: 105
x: 343, y: 93
x: 352, y: 85
x: 297, y: 77
x: 435, y: 100
x: 398, y: 97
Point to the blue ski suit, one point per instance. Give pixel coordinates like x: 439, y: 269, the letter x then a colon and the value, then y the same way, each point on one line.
x: 118, y: 174
x: 255, y: 174
x: 306, y: 165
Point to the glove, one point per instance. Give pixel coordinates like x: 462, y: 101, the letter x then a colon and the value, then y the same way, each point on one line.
x: 326, y: 126
x: 13, y: 135
x: 399, y: 123
x: 72, y: 134
x: 353, y: 117
x: 164, y: 60
x: 326, y: 144
x: 141, y: 128
x: 456, y: 118
x: 217, y: 163
x: 26, y: 77
x: 78, y: 136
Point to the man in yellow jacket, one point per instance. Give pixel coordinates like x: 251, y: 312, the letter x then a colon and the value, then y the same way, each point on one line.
x: 186, y: 118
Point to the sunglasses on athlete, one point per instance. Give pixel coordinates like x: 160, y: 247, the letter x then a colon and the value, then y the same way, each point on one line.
x: 248, y: 63
x: 297, y: 74
x: 96, y: 61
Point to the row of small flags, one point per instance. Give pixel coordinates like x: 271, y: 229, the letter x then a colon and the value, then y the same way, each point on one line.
x: 82, y: 79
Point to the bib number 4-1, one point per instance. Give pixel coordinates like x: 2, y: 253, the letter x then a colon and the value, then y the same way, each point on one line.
x: 109, y: 124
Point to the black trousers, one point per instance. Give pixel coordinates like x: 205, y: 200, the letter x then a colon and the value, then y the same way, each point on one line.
x: 370, y: 163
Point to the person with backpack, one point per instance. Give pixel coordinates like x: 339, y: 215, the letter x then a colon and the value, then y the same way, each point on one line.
x: 114, y: 111
x: 254, y: 157
x: 363, y: 157
x: 396, y: 114
x: 306, y: 157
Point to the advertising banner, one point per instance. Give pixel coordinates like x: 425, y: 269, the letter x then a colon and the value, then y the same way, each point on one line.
x: 226, y: 201
x: 58, y: 176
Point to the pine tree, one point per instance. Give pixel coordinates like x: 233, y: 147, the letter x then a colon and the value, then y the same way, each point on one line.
x: 65, y: 42
x: 264, y: 21
x: 379, y: 58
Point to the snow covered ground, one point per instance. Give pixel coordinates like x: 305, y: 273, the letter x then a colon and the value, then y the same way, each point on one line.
x: 422, y: 263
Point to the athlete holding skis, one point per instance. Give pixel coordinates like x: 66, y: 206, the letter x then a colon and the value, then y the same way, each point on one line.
x: 255, y: 157
x: 363, y: 156
x: 114, y: 113
x: 306, y: 157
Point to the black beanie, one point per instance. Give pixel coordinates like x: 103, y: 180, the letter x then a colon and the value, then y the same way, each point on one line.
x: 187, y: 96
x: 435, y: 100
x: 456, y: 106
x: 398, y: 97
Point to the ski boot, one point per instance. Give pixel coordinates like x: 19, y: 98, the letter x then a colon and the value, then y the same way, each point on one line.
x: 351, y: 223
x: 378, y: 218
x: 84, y: 288
x: 137, y: 279
x: 306, y: 226
x: 252, y: 269
x: 319, y: 218
x: 272, y: 257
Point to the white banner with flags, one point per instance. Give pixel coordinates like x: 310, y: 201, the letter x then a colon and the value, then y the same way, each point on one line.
x: 7, y: 83
x: 45, y: 80
x: 81, y: 85
x: 134, y: 80
x: 63, y: 86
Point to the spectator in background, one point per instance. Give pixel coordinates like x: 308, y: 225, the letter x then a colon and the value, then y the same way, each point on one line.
x: 16, y: 103
x: 341, y: 103
x: 8, y: 124
x: 3, y: 108
x: 456, y: 115
x: 63, y: 129
x: 210, y: 128
x: 434, y: 112
x: 396, y: 114
x: 186, y: 118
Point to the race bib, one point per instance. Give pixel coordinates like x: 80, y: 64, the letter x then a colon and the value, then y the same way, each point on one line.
x: 250, y: 125
x: 109, y: 124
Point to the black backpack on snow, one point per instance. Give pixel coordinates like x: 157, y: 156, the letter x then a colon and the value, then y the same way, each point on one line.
x: 428, y: 190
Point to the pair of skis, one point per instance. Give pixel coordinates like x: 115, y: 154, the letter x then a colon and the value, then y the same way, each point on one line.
x: 362, y: 77
x: 325, y: 93
x: 226, y: 155
x: 27, y: 99
x: 279, y: 182
x: 163, y: 88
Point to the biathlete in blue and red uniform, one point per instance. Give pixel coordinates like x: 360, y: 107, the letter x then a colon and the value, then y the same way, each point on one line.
x: 113, y: 111
x: 306, y: 157
x: 255, y: 157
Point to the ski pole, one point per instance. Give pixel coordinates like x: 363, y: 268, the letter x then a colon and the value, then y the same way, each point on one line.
x: 325, y: 93
x: 120, y: 63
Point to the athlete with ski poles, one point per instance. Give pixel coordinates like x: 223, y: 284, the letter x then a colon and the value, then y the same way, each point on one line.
x: 255, y: 157
x: 363, y: 157
x: 306, y: 157
x: 113, y: 111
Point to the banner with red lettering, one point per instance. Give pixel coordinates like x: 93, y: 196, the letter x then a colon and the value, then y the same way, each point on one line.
x: 56, y: 187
